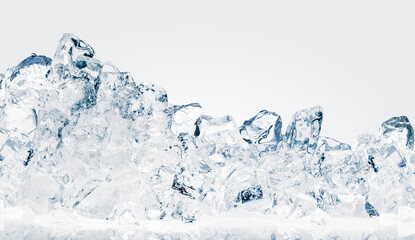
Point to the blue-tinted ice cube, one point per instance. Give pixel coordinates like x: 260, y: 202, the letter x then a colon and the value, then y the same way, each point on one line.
x: 25, y: 83
x: 304, y: 130
x: 265, y: 127
x: 32, y: 65
x: 399, y: 130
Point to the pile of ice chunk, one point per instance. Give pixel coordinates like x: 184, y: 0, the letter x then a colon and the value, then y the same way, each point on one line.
x: 80, y: 136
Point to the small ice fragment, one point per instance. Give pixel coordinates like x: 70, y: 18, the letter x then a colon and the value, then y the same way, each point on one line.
x: 304, y: 130
x: 185, y: 118
x: 372, y: 163
x: 180, y: 187
x: 251, y: 193
x: 399, y: 130
x: 330, y: 144
x: 265, y: 127
x: 371, y: 210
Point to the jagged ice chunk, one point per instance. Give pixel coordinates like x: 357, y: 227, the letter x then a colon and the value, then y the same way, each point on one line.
x: 265, y: 127
x: 399, y: 130
x: 304, y: 129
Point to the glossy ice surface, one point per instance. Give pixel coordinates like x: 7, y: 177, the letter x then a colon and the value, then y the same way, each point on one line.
x: 82, y: 142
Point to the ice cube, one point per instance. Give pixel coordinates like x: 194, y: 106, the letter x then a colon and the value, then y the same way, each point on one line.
x: 304, y: 129
x: 27, y: 83
x: 185, y: 119
x: 399, y: 130
x: 34, y: 66
x: 265, y: 127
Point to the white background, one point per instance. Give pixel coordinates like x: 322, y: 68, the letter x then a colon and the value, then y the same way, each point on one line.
x: 354, y: 58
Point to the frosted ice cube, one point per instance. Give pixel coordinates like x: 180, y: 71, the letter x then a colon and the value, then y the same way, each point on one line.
x: 304, y: 129
x: 399, y: 130
x: 265, y: 127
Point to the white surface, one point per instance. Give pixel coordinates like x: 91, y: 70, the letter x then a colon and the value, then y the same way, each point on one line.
x: 317, y: 225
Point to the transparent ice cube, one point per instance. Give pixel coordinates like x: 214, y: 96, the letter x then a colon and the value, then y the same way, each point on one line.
x: 399, y: 130
x: 265, y: 127
x: 304, y: 129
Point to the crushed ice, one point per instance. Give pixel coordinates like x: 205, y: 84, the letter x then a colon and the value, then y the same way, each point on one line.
x: 79, y: 136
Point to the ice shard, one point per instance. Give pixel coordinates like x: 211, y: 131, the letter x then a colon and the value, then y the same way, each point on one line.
x: 304, y: 129
x: 265, y: 127
x: 371, y: 211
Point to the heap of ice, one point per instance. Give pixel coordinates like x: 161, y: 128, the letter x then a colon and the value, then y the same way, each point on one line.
x: 80, y: 136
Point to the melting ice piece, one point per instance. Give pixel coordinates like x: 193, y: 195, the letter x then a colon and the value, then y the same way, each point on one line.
x: 399, y: 130
x: 265, y: 127
x: 185, y: 119
x: 251, y: 193
x: 371, y: 210
x: 304, y: 130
